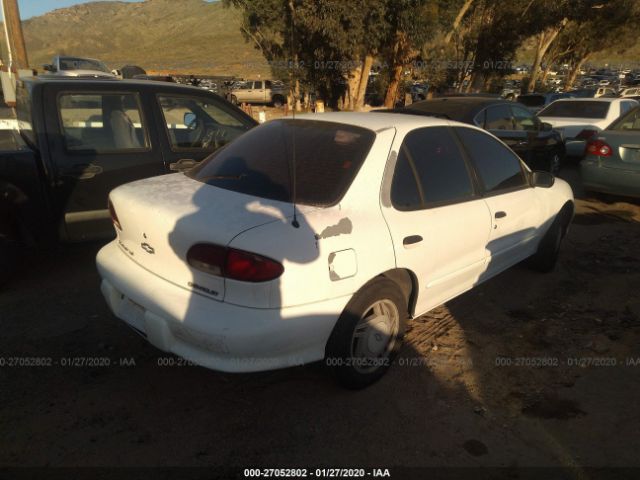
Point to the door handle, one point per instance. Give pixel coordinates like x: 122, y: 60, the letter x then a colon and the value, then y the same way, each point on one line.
x: 500, y: 214
x: 411, y: 240
x: 82, y: 171
x: 182, y: 165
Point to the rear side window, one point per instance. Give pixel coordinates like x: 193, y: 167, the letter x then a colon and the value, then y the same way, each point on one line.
x: 498, y: 167
x: 430, y: 171
x: 576, y: 109
x: 261, y: 162
x: 102, y: 122
x: 630, y: 121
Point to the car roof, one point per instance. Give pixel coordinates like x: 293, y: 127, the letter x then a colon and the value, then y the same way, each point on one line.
x: 461, y: 109
x: 375, y: 121
x: 104, y: 82
x: 599, y: 99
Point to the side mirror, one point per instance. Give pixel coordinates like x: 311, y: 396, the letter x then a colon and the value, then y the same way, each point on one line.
x: 542, y: 179
x: 545, y: 127
x: 190, y: 120
x: 49, y: 68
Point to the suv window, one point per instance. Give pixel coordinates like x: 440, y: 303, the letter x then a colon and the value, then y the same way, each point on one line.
x: 524, y: 119
x: 499, y: 168
x: 260, y: 163
x: 196, y: 123
x: 267, y: 84
x: 102, y: 122
x: 430, y: 171
x: 498, y: 117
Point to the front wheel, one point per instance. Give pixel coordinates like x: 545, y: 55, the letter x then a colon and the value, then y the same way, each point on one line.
x: 546, y: 257
x: 368, y: 334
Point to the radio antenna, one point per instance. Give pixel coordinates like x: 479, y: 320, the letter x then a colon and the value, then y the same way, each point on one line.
x: 292, y: 94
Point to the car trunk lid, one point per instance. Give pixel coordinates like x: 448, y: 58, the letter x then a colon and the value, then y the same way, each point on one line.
x: 163, y: 217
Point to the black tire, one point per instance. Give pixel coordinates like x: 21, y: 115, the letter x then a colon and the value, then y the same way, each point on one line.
x: 357, y: 372
x: 555, y: 162
x: 278, y: 101
x: 546, y: 257
x: 9, y: 257
x: 233, y: 99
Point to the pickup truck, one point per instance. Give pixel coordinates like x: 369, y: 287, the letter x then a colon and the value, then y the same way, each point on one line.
x: 258, y: 91
x: 77, y: 139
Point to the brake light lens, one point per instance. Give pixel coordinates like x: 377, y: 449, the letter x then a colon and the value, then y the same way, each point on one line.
x: 114, y: 216
x: 599, y: 147
x: 232, y: 263
x: 586, y: 134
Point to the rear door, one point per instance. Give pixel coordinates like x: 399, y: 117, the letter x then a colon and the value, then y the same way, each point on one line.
x: 98, y: 140
x: 193, y: 125
x: 514, y: 206
x: 438, y: 222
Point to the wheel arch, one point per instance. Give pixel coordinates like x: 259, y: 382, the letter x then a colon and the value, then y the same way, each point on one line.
x: 407, y: 282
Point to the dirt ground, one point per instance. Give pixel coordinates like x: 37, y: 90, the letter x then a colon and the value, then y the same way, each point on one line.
x: 527, y: 370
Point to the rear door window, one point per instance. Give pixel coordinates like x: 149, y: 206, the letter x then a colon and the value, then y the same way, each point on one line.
x: 325, y: 157
x: 576, y: 109
x: 498, y: 167
x: 102, y: 122
x: 430, y: 171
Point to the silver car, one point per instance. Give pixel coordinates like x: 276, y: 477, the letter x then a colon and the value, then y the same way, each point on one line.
x: 612, y: 161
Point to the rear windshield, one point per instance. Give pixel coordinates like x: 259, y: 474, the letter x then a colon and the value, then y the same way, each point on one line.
x: 576, y: 109
x: 260, y: 163
x: 630, y: 121
x: 531, y: 100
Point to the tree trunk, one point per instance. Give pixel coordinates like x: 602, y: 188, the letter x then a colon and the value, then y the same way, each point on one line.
x: 364, y: 81
x: 456, y: 22
x: 573, y: 74
x: 353, y: 84
x: 394, y: 84
x: 545, y: 40
x: 397, y: 66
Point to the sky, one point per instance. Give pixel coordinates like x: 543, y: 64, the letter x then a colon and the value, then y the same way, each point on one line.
x: 33, y: 8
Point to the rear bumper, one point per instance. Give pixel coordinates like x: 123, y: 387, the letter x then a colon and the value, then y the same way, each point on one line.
x: 615, y: 181
x: 213, y: 334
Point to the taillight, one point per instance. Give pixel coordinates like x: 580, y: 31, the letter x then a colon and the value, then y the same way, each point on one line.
x: 232, y: 263
x: 586, y: 134
x: 114, y: 216
x: 598, y: 147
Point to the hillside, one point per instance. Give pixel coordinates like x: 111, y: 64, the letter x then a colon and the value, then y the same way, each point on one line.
x: 191, y: 36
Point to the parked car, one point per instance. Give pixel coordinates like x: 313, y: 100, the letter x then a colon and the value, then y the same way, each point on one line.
x: 537, y: 101
x: 579, y: 119
x: 605, y: 92
x: 155, y: 78
x: 612, y: 161
x: 79, y: 139
x: 306, y: 240
x: 78, y: 67
x: 535, y: 142
x: 259, y: 91
x: 630, y: 92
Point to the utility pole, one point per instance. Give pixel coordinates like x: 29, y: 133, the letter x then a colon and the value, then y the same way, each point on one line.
x: 15, y: 38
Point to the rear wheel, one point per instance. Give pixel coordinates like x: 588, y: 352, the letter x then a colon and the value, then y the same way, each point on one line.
x: 233, y: 99
x: 278, y: 101
x: 367, y: 335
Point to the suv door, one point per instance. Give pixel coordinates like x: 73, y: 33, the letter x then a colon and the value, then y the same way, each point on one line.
x: 196, y: 125
x: 98, y: 140
x: 438, y: 223
x: 514, y: 206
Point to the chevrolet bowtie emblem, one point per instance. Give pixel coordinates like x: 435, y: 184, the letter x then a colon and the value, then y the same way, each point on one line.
x: 148, y: 248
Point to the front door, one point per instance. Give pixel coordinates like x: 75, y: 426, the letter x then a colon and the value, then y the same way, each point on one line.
x: 514, y: 207
x: 438, y: 222
x: 98, y: 141
x: 196, y: 125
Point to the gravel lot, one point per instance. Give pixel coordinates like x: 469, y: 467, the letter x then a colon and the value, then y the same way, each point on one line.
x: 525, y: 370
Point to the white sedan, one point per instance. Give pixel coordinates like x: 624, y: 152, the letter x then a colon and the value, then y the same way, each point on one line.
x: 580, y: 119
x: 317, y: 238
